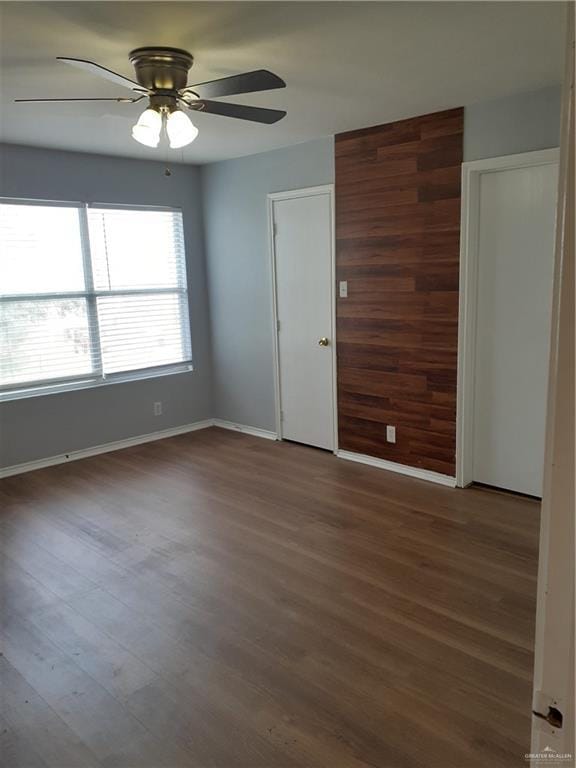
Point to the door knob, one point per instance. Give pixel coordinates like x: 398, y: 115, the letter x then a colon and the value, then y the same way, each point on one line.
x: 323, y: 341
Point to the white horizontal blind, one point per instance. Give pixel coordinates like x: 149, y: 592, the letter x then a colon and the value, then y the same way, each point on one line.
x: 90, y: 294
x: 139, y: 274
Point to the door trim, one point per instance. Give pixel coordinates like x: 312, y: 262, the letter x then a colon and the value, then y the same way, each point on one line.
x: 326, y: 189
x: 469, y: 229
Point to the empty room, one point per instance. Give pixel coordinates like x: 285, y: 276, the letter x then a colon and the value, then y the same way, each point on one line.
x: 286, y: 384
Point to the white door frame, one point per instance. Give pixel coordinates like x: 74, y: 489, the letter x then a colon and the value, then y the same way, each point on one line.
x: 469, y: 230
x: 326, y: 189
x: 554, y: 635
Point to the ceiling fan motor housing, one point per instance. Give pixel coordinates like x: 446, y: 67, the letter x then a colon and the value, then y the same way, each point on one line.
x: 162, y: 76
x: 161, y: 69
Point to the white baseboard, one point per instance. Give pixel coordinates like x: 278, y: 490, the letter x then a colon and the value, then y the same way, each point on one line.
x: 401, y: 469
x: 117, y: 445
x: 265, y: 433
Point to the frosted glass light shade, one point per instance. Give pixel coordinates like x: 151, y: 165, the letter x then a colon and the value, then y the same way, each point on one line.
x: 147, y: 129
x: 180, y: 129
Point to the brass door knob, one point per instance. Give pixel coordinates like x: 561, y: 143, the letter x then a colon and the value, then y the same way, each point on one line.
x: 323, y: 341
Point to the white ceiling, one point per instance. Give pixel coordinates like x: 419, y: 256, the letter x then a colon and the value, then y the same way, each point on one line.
x: 348, y: 65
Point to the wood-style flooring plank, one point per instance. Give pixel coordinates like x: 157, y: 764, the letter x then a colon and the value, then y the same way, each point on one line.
x: 219, y: 601
x: 33, y: 721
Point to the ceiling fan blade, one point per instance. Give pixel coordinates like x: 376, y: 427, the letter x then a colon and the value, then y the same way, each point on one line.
x: 120, y: 100
x: 97, y: 69
x: 240, y: 111
x: 249, y: 82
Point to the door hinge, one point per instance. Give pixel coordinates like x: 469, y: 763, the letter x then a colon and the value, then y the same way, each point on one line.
x: 281, y: 415
x: 277, y: 325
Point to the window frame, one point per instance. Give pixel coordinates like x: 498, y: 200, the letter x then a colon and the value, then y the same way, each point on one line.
x: 97, y: 377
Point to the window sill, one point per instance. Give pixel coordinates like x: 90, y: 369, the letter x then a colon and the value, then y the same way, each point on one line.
x: 73, y: 386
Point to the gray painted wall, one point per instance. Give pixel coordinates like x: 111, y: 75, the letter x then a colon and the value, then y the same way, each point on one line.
x: 237, y: 245
x: 49, y: 425
x: 239, y: 276
x: 238, y: 285
x: 521, y: 123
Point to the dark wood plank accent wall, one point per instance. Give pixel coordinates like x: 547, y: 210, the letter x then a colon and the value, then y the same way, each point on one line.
x: 397, y: 245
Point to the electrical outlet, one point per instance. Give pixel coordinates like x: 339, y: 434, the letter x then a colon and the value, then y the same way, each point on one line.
x: 158, y: 408
x: 391, y: 434
x: 343, y: 289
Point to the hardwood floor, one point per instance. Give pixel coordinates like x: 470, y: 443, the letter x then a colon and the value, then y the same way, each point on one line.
x: 220, y: 601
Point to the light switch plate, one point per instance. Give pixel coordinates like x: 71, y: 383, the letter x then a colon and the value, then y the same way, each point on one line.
x: 391, y: 434
x: 343, y: 289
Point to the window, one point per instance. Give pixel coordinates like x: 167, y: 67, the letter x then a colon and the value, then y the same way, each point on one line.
x: 89, y: 295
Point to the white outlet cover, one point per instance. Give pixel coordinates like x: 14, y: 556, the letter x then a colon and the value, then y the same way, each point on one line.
x: 343, y: 289
x: 391, y: 434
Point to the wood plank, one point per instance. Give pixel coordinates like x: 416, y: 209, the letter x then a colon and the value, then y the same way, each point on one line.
x: 397, y: 246
x: 34, y: 722
x: 274, y: 614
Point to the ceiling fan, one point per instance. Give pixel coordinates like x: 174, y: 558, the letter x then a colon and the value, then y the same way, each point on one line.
x: 161, y: 77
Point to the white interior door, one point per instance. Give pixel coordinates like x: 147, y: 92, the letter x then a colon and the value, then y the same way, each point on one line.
x: 514, y: 294
x: 304, y: 285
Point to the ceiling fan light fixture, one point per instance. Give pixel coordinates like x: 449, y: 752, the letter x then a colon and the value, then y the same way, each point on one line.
x: 180, y: 129
x: 161, y: 77
x: 147, y: 129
